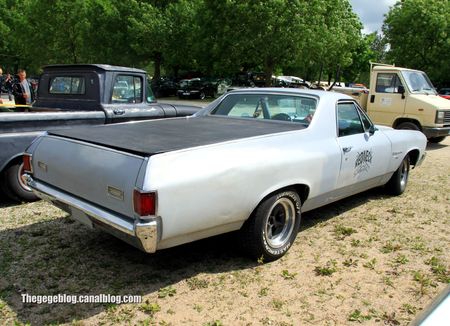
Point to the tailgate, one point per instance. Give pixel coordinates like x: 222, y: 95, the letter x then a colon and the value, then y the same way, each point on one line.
x: 97, y: 174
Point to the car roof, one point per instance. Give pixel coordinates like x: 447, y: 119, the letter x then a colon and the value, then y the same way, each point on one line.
x: 296, y: 91
x: 78, y: 67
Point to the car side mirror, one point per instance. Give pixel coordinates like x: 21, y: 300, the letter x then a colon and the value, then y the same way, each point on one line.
x: 372, y: 130
x: 401, y: 90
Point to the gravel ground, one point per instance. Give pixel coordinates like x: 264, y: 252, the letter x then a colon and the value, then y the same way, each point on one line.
x: 370, y: 259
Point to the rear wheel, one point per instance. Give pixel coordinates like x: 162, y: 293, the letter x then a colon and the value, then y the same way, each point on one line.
x: 436, y: 139
x: 273, y: 227
x: 397, y: 183
x: 14, y: 186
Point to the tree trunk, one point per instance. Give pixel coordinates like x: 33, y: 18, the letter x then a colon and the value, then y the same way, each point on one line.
x: 320, y: 74
x: 157, y: 60
x: 268, y: 69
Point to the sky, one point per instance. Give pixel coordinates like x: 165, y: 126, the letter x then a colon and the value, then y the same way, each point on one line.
x: 371, y: 13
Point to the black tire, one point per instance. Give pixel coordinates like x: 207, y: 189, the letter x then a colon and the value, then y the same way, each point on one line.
x: 14, y: 187
x: 408, y: 126
x: 397, y: 183
x: 202, y: 95
x: 272, y: 228
x: 436, y: 140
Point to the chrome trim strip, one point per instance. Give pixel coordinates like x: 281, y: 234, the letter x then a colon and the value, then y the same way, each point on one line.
x: 145, y: 232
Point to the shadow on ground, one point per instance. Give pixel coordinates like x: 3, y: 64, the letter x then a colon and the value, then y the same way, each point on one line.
x: 63, y: 257
x: 435, y: 146
x: 6, y: 202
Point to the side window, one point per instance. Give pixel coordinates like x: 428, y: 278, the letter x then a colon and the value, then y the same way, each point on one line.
x: 366, y: 122
x: 150, y: 95
x: 127, y: 89
x: 388, y: 83
x: 349, y: 122
x: 67, y: 85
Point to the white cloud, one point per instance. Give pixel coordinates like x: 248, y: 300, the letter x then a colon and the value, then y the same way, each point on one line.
x: 371, y: 13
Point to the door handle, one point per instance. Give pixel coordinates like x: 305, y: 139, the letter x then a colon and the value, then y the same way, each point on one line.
x: 119, y: 111
x: 346, y: 149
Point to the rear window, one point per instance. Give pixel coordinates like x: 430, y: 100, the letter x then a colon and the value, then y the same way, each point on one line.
x: 67, y: 85
x: 291, y: 108
x: 127, y: 89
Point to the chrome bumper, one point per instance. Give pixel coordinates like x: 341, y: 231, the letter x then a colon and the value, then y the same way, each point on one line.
x: 436, y: 132
x: 141, y: 234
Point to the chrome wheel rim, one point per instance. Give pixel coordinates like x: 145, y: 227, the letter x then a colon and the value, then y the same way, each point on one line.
x: 280, y: 223
x: 404, y: 174
x: 21, y: 178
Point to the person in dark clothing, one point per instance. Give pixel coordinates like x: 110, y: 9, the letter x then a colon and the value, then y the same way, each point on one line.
x: 22, y: 90
x: 5, y: 85
x: 5, y: 82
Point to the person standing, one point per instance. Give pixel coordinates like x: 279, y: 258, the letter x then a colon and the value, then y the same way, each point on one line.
x: 22, y: 90
x: 5, y: 85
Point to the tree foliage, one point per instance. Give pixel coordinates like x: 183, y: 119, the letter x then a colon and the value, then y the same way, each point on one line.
x: 418, y: 32
x: 308, y: 38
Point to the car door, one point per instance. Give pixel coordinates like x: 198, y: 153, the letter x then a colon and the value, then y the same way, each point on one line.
x: 365, y: 151
x: 387, y: 103
x: 130, y: 100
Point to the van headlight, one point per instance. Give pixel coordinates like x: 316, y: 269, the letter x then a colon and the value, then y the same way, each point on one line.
x: 440, y: 117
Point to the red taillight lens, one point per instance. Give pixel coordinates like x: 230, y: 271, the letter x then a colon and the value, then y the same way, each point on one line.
x: 144, y: 203
x: 27, y: 163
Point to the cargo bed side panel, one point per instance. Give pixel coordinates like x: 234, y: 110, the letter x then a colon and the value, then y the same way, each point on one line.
x: 97, y: 174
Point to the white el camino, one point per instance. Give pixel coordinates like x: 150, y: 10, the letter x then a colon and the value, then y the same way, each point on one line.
x: 252, y: 160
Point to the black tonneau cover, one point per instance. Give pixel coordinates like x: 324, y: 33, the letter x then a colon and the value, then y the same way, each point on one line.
x: 158, y: 136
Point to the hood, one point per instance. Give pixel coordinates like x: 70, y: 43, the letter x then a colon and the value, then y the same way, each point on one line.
x: 431, y: 100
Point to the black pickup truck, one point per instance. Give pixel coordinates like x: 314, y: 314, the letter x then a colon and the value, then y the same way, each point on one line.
x: 72, y: 95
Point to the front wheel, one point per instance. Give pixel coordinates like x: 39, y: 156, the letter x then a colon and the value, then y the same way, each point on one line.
x: 15, y: 187
x: 397, y: 183
x: 436, y: 139
x: 408, y: 126
x: 270, y: 231
x: 202, y: 95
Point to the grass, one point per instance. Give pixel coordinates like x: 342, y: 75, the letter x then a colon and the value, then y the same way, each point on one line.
x: 326, y: 270
x: 167, y: 291
x: 341, y: 232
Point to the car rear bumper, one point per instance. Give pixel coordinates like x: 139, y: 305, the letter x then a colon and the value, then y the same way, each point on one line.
x: 139, y: 233
x: 436, y: 132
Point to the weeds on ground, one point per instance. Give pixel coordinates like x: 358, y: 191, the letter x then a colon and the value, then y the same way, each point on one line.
x: 327, y: 270
x: 357, y: 315
x: 288, y: 276
x: 195, y: 283
x: 341, y: 232
x: 424, y: 283
x: 167, y: 291
x: 150, y: 308
x: 439, y: 270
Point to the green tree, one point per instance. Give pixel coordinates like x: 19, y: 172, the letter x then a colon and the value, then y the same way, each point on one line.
x: 251, y: 34
x: 418, y: 33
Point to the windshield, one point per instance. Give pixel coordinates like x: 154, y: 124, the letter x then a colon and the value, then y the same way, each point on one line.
x: 270, y: 107
x: 418, y: 82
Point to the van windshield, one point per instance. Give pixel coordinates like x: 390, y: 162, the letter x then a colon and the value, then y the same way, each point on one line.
x: 418, y: 82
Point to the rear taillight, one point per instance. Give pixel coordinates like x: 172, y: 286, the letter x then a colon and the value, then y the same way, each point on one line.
x: 144, y: 203
x: 27, y: 163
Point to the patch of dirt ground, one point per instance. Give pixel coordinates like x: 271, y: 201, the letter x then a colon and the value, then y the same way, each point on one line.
x: 369, y: 259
